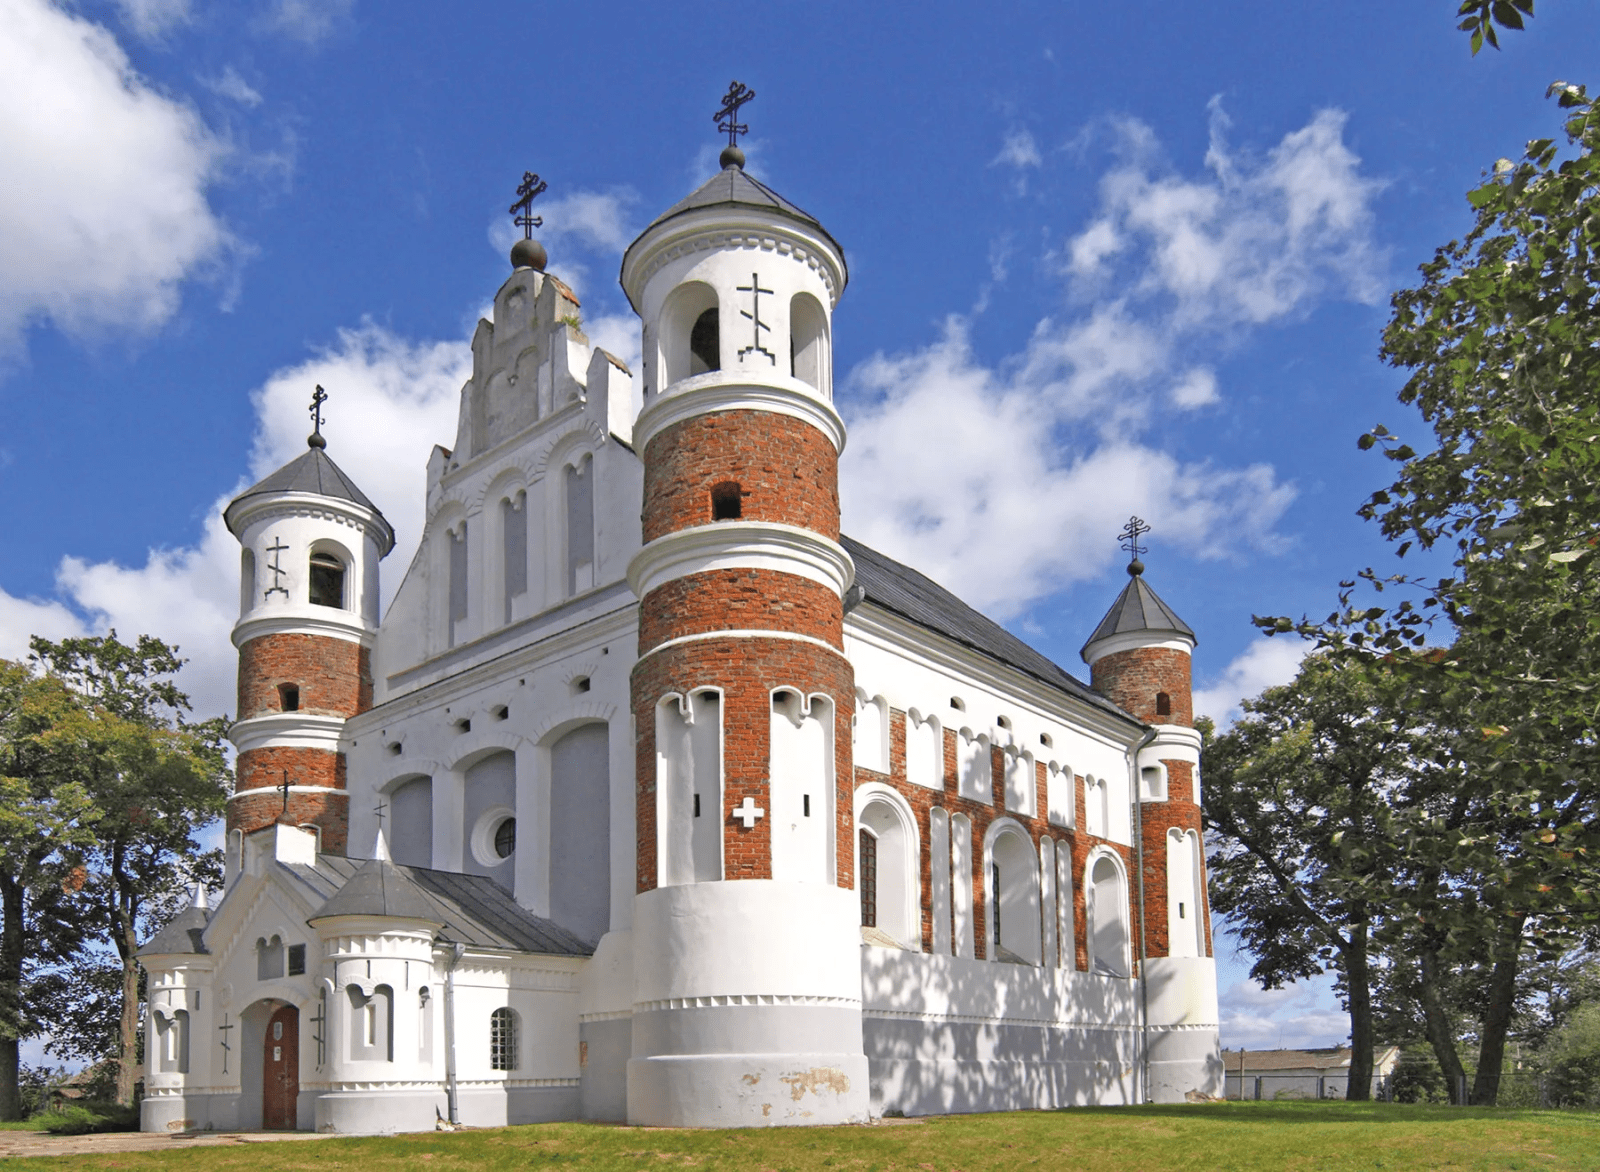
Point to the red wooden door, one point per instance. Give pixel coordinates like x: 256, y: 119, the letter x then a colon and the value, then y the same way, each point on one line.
x: 280, y: 1075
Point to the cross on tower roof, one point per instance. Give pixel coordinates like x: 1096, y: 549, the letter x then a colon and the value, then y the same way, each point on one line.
x: 528, y: 190
x: 1131, y: 532
x: 318, y: 398
x: 727, y: 118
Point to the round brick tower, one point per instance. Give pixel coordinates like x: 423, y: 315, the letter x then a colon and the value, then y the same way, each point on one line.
x: 308, y: 611
x: 1139, y: 657
x: 747, y: 986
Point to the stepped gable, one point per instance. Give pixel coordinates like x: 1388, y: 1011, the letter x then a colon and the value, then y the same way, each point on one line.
x: 914, y: 596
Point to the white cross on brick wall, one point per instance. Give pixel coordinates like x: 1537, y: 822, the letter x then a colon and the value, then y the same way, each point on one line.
x: 748, y: 812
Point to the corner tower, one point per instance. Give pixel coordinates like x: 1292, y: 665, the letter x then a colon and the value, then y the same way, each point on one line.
x: 1139, y: 657
x: 747, y: 988
x: 308, y: 611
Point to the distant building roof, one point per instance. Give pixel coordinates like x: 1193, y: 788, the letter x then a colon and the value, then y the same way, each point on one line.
x: 471, y: 909
x: 1139, y: 608
x: 314, y: 473
x: 915, y: 596
x: 1333, y: 1058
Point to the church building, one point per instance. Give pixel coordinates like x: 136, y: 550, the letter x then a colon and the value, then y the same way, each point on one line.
x: 653, y: 797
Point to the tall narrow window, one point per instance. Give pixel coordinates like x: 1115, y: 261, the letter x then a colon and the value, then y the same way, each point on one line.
x: 288, y: 697
x: 808, y: 341
x: 327, y: 580
x: 727, y: 501
x: 705, y: 343
x: 514, y: 528
x: 503, y: 1039
x: 458, y: 582
x: 868, y: 862
x: 995, y: 901
x: 1163, y: 704
x: 580, y: 525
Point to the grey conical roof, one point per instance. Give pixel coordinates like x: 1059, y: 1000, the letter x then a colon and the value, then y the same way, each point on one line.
x: 380, y: 888
x: 732, y: 185
x: 314, y: 473
x: 1139, y: 608
x: 180, y: 936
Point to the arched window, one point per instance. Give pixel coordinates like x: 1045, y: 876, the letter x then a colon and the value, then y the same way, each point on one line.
x: 371, y: 1023
x: 327, y: 580
x: 801, y: 793
x: 411, y: 822
x: 924, y: 751
x: 269, y: 959
x: 503, y: 1039
x: 888, y: 865
x: 1014, y: 898
x: 1163, y: 704
x: 514, y: 542
x: 705, y: 343
x: 689, y: 788
x: 580, y: 525
x: 1062, y: 796
x: 872, y: 733
x: 808, y: 341
x: 1108, y: 918
x: 974, y: 765
x: 1020, y: 778
x: 867, y: 877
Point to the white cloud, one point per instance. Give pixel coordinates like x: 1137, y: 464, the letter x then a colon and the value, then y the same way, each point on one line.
x: 151, y: 19
x: 960, y: 470
x: 103, y: 213
x: 1299, y: 1015
x: 599, y: 219
x: 1002, y: 479
x: 1018, y: 150
x: 308, y: 20
x: 391, y: 401
x: 1266, y: 663
x: 228, y: 84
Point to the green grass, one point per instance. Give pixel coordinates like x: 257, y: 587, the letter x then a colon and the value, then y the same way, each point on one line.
x: 1236, y: 1136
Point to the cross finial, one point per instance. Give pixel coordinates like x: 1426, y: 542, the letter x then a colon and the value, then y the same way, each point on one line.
x: 727, y: 120
x: 1131, y: 532
x: 318, y: 398
x: 285, y: 788
x: 528, y: 190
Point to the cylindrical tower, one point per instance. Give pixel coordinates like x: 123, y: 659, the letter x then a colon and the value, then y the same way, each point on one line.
x: 308, y: 612
x: 1139, y: 657
x: 747, y: 988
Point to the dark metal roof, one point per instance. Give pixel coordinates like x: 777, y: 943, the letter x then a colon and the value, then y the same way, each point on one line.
x: 732, y: 185
x: 314, y: 473
x: 472, y: 910
x: 182, y: 935
x: 1138, y: 608
x: 899, y: 588
x: 378, y: 889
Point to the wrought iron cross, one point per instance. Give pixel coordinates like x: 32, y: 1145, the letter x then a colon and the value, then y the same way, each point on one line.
x: 318, y: 398
x: 276, y: 550
x: 378, y: 810
x: 225, y: 1027
x: 1131, y: 532
x: 727, y: 118
x: 527, y: 191
x: 285, y: 788
x: 757, y: 325
x: 318, y: 1033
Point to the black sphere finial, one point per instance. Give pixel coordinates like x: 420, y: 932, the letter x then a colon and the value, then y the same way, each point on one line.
x: 1135, y: 568
x: 731, y: 156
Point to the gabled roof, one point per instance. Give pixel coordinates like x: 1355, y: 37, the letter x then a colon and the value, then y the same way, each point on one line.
x: 1139, y: 608
x: 1331, y: 1058
x: 182, y: 935
x: 471, y: 909
x: 915, y: 596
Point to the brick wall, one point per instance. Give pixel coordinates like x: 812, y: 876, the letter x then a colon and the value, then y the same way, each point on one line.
x: 747, y: 670
x: 787, y: 472
x: 1177, y: 812
x: 1131, y: 679
x: 334, y: 675
x: 735, y: 599
x: 329, y: 812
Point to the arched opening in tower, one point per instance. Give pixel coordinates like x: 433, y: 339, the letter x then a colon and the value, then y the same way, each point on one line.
x: 705, y: 343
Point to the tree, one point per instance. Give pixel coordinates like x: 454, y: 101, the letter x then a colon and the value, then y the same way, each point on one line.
x: 1303, y: 802
x: 1502, y: 342
x: 154, y: 779
x: 43, y: 811
x: 1479, y: 17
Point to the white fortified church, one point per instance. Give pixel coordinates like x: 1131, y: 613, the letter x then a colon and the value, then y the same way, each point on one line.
x: 653, y: 798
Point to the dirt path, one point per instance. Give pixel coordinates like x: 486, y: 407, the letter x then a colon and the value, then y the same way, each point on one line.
x: 33, y: 1143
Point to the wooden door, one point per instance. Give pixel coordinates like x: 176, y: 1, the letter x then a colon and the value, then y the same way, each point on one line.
x: 280, y: 1075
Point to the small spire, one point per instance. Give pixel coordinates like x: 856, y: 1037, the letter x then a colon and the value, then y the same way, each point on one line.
x: 315, y: 440
x: 380, y: 848
x: 528, y: 253
x: 202, y: 899
x: 727, y: 120
x: 1131, y: 532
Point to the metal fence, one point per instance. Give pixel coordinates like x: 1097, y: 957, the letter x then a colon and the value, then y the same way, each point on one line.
x: 1521, y: 1088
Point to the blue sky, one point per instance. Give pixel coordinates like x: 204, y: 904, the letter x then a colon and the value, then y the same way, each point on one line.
x: 1104, y: 259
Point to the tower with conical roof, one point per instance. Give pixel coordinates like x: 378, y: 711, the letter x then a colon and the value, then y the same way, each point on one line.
x: 308, y: 612
x: 747, y: 997
x: 1139, y: 657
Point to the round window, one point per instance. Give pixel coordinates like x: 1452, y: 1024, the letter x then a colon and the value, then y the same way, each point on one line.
x: 505, y: 838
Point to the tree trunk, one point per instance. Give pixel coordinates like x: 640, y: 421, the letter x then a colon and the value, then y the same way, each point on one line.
x: 1437, y: 1024
x: 1358, y: 981
x: 1497, y: 1015
x: 11, y: 957
x: 125, y: 932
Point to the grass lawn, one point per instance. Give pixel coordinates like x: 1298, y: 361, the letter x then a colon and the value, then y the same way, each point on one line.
x: 1243, y: 1136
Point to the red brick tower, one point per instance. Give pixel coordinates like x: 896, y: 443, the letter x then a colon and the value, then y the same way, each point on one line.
x: 742, y: 695
x: 308, y: 612
x: 1139, y: 657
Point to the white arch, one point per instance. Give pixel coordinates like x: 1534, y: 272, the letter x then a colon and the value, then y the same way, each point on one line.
x: 924, y: 750
x: 1109, y: 912
x: 883, y: 812
x: 871, y: 742
x: 1008, y: 847
x: 1185, y: 923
